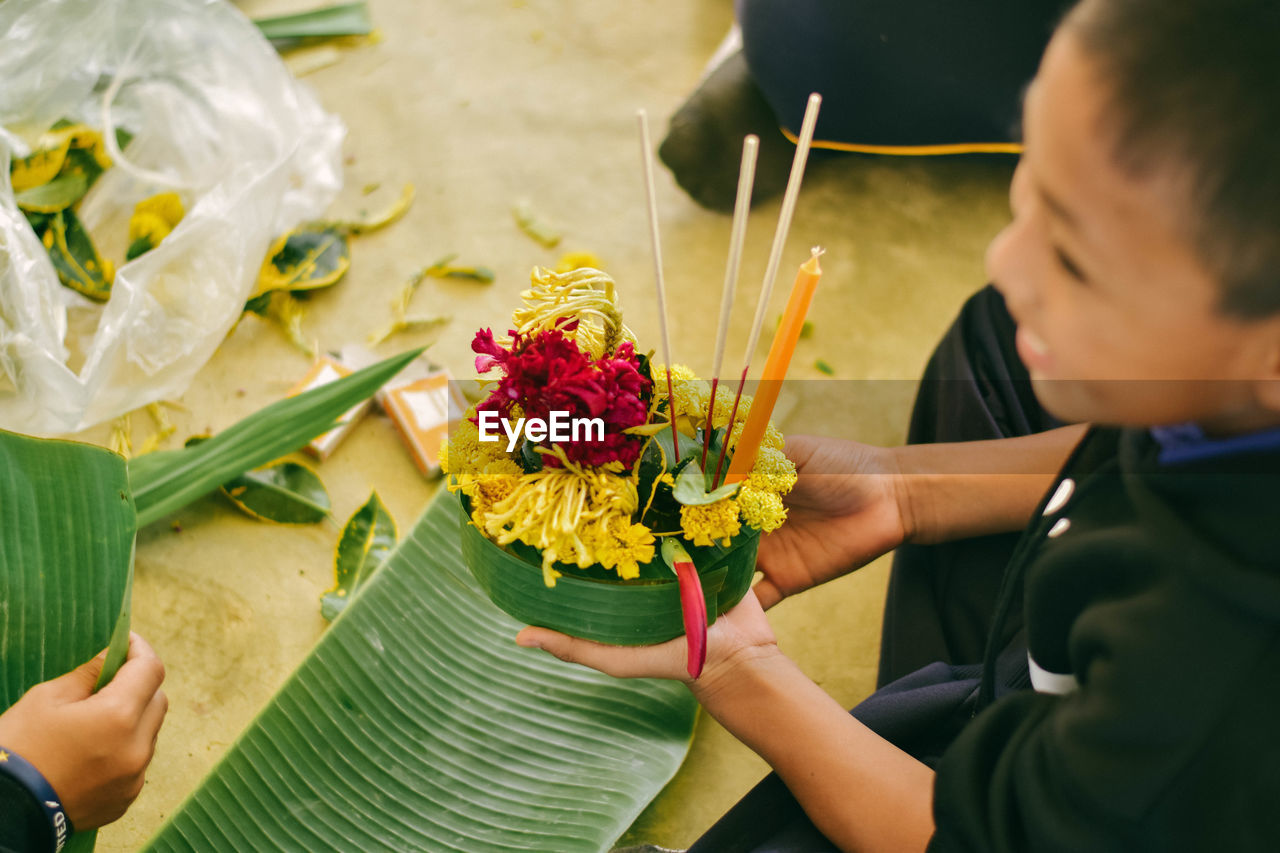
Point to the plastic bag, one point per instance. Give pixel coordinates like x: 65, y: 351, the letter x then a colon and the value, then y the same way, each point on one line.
x: 214, y: 116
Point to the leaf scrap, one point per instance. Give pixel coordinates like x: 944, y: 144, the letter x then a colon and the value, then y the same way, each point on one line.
x: 283, y: 493
x: 535, y: 227
x: 366, y: 540
x: 152, y: 220
x: 306, y: 258
x: 75, y: 258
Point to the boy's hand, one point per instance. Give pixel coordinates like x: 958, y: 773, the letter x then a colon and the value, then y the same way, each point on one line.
x: 843, y: 513
x: 92, y: 748
x: 739, y: 635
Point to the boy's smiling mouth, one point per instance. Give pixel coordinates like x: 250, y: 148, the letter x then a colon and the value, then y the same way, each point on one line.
x: 1033, y: 351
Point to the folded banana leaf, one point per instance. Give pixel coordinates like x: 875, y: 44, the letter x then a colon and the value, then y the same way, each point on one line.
x: 417, y: 724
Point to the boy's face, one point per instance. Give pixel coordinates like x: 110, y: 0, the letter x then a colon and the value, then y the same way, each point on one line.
x: 1117, y: 318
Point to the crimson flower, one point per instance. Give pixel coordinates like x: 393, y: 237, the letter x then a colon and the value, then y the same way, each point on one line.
x: 546, y: 372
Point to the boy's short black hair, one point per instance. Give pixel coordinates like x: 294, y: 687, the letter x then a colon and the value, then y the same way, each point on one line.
x: 1195, y: 85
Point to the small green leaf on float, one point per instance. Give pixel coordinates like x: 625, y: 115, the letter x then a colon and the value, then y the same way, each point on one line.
x: 306, y: 258
x: 366, y: 540
x: 56, y: 195
x: 824, y: 367
x: 691, y: 487
x: 75, y: 259
x: 284, y: 493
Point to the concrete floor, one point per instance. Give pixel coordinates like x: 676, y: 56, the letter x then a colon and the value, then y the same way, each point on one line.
x: 480, y: 104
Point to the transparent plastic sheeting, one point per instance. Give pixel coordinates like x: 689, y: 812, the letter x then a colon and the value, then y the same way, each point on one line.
x: 215, y: 117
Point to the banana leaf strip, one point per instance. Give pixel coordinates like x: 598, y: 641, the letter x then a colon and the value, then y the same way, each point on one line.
x: 75, y: 258
x: 168, y: 480
x: 417, y: 724
x: 304, y: 259
x: 284, y: 493
x: 366, y: 540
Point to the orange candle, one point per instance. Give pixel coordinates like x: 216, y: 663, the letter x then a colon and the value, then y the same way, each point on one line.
x: 775, y: 368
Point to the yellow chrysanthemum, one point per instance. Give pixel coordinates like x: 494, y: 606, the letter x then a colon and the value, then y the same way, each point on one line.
x: 704, y: 524
x: 761, y: 509
x: 572, y: 515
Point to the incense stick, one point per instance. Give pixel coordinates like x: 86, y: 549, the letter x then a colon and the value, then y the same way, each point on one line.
x: 803, y: 141
x: 651, y: 195
x: 741, y: 209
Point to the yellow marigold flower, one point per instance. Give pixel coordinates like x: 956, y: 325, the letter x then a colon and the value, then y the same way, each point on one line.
x: 691, y: 393
x: 462, y: 452
x: 624, y: 547
x: 763, y: 510
x: 773, y: 471
x: 773, y: 437
x: 704, y: 524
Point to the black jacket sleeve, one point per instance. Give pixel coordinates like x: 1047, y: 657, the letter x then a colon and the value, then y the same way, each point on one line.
x: 24, y: 828
x: 1165, y: 745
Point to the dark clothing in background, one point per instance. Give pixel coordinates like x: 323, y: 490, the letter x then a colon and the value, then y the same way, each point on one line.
x: 894, y: 73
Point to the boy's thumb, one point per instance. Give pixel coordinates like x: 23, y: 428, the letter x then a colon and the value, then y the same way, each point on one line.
x: 79, y: 683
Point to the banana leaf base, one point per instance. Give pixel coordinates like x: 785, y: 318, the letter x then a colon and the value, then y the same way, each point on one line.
x: 625, y: 613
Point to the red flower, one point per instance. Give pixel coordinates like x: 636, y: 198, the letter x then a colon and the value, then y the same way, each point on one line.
x: 546, y: 372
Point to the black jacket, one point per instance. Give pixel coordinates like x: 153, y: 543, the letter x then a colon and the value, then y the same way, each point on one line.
x: 1152, y: 607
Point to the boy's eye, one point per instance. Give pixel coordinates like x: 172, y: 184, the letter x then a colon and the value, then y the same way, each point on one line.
x: 1068, y: 265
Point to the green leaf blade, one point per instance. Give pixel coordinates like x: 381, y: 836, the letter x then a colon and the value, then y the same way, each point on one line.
x: 165, y: 481
x: 344, y: 19
x: 65, y: 555
x: 417, y: 724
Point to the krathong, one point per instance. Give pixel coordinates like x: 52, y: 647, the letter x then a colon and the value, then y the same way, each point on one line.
x: 595, y: 518
x: 597, y: 508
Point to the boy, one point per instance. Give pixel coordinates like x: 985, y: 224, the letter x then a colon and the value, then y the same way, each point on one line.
x: 1142, y: 268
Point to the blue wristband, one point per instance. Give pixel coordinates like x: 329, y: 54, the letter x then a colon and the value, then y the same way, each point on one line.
x: 25, y: 774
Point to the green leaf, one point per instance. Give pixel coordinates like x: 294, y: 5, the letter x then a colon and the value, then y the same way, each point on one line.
x: 66, y: 563
x: 60, y: 193
x: 76, y: 260
x: 345, y: 19
x: 691, y: 487
x: 285, y: 493
x: 417, y: 724
x: 366, y: 540
x: 305, y: 259
x: 168, y: 480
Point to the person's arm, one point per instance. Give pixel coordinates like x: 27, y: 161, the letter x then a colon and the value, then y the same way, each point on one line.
x: 974, y: 488
x: 862, y: 792
x: 854, y: 502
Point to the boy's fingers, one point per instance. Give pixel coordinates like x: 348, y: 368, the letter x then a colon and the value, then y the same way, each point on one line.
x: 767, y: 593
x: 153, y: 716
x: 138, y: 679
x: 78, y: 683
x: 618, y: 661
